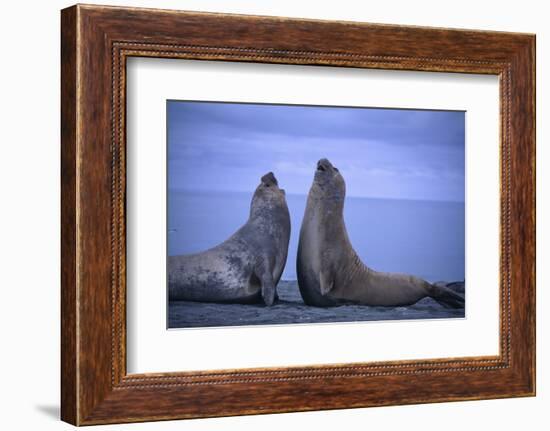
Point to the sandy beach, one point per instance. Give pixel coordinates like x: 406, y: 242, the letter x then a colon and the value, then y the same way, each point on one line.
x: 290, y: 309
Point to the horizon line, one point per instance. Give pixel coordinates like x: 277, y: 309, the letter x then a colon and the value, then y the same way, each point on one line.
x: 178, y: 189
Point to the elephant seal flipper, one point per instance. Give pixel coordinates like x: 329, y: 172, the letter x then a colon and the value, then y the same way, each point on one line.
x: 446, y: 296
x: 264, y: 275
x: 326, y: 282
x: 329, y: 270
x: 246, y: 267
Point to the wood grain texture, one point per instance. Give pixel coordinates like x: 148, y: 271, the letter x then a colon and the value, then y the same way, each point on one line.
x: 69, y: 367
x: 96, y: 41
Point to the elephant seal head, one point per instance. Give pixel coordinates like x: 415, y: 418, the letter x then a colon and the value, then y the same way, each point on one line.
x: 267, y: 196
x: 329, y: 187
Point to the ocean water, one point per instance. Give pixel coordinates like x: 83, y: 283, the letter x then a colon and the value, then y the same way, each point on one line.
x: 424, y: 238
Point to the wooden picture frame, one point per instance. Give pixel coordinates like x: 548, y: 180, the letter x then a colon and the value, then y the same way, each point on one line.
x: 95, y: 43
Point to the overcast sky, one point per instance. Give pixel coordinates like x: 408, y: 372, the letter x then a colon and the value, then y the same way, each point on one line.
x: 385, y: 153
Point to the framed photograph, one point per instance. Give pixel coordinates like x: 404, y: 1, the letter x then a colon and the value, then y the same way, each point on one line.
x: 397, y: 216
x: 264, y: 214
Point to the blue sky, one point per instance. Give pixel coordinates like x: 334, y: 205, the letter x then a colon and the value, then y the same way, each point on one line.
x: 383, y: 153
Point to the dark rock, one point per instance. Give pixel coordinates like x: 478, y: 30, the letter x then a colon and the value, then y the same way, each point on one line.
x: 291, y: 309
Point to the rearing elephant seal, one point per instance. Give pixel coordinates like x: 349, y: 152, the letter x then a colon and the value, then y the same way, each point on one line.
x: 330, y: 272
x: 246, y: 267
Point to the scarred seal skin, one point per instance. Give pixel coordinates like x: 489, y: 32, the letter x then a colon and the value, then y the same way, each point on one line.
x: 246, y: 267
x: 329, y: 270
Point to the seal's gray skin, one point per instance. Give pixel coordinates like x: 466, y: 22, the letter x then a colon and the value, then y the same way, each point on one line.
x: 246, y: 267
x: 330, y: 272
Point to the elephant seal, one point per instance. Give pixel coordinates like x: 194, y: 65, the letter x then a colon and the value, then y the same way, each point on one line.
x: 329, y: 270
x: 246, y: 267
